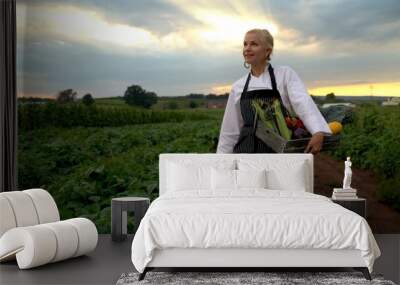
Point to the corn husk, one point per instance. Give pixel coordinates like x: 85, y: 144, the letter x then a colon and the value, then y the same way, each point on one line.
x: 271, y: 117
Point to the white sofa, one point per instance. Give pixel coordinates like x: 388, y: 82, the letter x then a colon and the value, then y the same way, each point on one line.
x: 31, y: 231
x: 152, y: 246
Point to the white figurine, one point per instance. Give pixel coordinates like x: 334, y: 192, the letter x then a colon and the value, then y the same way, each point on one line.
x: 347, y: 174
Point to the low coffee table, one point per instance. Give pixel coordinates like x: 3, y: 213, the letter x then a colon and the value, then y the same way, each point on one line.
x: 119, y: 208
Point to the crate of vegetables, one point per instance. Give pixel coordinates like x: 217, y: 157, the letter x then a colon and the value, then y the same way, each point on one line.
x: 287, y: 134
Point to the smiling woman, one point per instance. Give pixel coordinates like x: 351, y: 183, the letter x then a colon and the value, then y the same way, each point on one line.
x: 257, y: 48
x: 263, y: 83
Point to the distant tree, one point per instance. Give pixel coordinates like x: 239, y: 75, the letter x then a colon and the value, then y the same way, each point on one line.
x: 193, y: 104
x: 195, y: 96
x: 211, y: 96
x: 173, y: 105
x: 66, y: 96
x: 152, y: 98
x: 136, y: 95
x: 330, y: 97
x: 34, y: 100
x: 88, y: 99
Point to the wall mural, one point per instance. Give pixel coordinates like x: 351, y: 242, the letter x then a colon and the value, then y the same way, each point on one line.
x: 104, y: 87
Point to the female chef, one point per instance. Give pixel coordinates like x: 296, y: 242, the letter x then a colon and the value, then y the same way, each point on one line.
x: 265, y: 83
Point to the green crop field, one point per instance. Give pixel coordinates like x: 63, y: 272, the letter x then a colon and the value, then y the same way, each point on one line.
x: 84, y: 156
x: 373, y: 142
x: 163, y: 103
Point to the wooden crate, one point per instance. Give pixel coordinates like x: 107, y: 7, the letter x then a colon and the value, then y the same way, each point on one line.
x: 281, y: 145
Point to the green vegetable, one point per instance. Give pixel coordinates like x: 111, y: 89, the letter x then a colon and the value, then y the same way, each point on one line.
x: 280, y: 121
x: 272, y: 118
x: 265, y: 117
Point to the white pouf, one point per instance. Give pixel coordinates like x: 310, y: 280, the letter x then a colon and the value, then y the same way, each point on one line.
x: 31, y: 232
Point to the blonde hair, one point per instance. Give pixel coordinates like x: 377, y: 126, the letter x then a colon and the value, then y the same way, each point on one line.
x: 265, y: 37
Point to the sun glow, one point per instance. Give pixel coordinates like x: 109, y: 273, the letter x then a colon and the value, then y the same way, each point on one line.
x: 222, y: 26
x: 370, y: 89
x: 221, y: 89
x: 230, y: 30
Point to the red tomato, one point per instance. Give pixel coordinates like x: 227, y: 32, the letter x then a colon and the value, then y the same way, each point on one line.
x: 288, y: 122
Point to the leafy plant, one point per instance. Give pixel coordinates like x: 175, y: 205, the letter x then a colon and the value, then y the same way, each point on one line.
x: 372, y: 141
x: 84, y: 168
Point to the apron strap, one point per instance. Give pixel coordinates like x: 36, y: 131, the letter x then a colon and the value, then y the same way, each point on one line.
x: 274, y: 87
x: 247, y: 84
x: 272, y: 75
x: 273, y: 83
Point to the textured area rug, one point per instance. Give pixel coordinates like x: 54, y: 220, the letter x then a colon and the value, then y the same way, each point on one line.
x: 231, y: 278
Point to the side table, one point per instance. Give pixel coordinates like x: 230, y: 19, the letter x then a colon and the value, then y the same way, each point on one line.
x: 357, y: 205
x: 119, y: 208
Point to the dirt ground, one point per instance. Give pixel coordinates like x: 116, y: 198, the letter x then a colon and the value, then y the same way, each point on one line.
x: 328, y: 173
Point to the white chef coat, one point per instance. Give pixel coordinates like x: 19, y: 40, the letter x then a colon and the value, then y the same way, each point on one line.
x: 294, y: 96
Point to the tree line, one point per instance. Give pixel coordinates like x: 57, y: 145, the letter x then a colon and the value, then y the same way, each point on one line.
x: 135, y: 95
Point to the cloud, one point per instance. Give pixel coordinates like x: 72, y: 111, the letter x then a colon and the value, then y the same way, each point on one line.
x: 74, y: 25
x: 176, y: 47
x: 81, y: 67
x: 213, y: 27
x: 340, y: 26
x: 301, y: 27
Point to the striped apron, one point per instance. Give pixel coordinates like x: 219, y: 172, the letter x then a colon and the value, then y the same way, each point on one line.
x: 248, y: 142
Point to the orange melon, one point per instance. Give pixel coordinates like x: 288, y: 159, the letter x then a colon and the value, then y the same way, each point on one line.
x: 335, y: 127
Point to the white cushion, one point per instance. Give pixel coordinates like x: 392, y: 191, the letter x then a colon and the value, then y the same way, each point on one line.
x: 283, y: 174
x: 40, y: 244
x: 34, y: 244
x: 186, y: 174
x: 87, y: 233
x: 188, y: 177
x: 251, y: 178
x: 23, y: 208
x: 7, y: 218
x: 223, y: 179
x: 45, y: 205
x: 295, y: 180
x: 67, y: 240
x: 26, y: 208
x: 226, y: 179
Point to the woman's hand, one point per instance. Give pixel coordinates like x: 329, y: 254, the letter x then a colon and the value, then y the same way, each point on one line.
x: 315, y: 144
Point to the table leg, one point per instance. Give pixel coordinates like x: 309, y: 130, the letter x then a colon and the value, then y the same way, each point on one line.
x: 124, y: 224
x: 116, y: 221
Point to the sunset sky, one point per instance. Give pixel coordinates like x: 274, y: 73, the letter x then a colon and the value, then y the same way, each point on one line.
x: 176, y: 47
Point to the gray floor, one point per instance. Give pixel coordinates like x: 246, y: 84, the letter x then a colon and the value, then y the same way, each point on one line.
x: 103, y: 266
x: 110, y: 260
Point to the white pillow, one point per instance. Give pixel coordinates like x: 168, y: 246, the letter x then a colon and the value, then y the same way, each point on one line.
x: 223, y: 179
x: 227, y: 179
x: 193, y: 174
x: 282, y: 174
x: 183, y: 178
x: 293, y: 180
x: 251, y: 178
